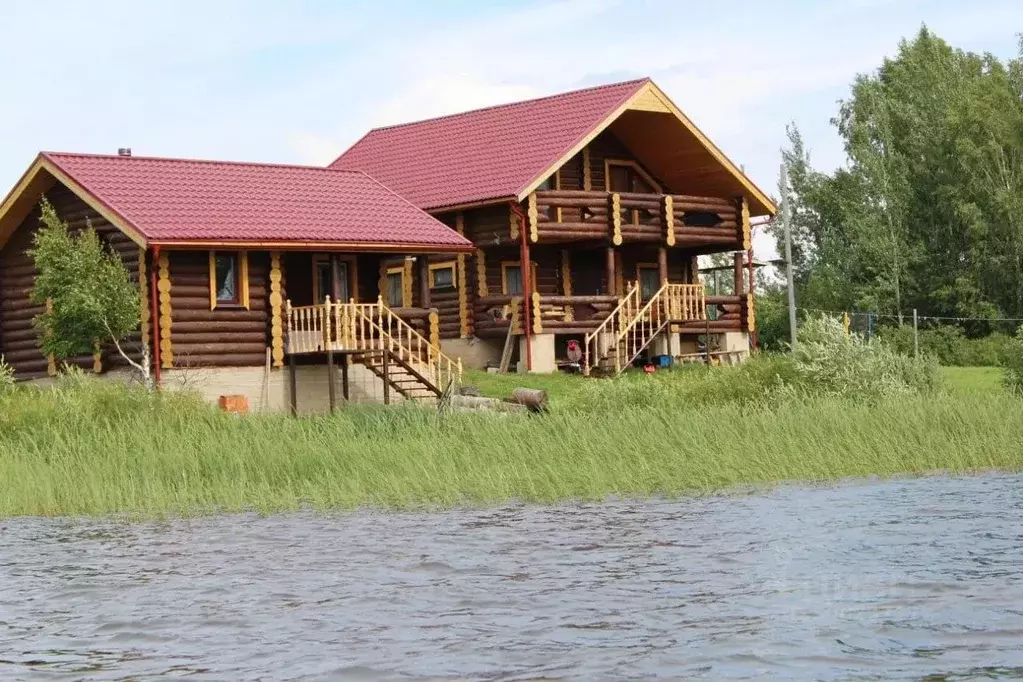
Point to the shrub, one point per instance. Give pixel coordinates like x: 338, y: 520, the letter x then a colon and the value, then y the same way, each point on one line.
x: 7, y: 383
x: 1012, y: 361
x: 830, y: 362
x: 949, y: 345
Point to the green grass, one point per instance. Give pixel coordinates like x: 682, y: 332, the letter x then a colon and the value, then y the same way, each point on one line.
x: 97, y: 449
x: 973, y: 380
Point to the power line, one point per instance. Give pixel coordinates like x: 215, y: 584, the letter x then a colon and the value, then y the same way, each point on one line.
x: 884, y: 316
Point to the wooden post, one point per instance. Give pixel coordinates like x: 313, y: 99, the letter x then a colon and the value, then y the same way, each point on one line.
x: 662, y: 264
x: 345, y: 360
x: 566, y: 282
x: 610, y: 265
x: 163, y: 285
x: 387, y: 378
x: 424, y: 281
x: 614, y: 215
x: 463, y: 286
x: 706, y: 342
x: 587, y: 176
x: 331, y: 389
x: 739, y: 285
x: 668, y: 220
x: 533, y: 217
x: 481, y: 274
x: 276, y: 321
x: 292, y: 381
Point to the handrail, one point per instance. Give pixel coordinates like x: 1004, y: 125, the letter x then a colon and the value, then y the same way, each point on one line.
x: 399, y: 338
x: 623, y: 312
x: 352, y: 326
x: 633, y: 324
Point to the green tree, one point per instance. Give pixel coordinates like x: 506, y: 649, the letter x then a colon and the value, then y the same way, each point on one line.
x: 928, y: 211
x: 91, y: 294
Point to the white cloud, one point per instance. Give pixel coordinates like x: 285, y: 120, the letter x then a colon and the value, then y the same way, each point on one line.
x: 299, y: 83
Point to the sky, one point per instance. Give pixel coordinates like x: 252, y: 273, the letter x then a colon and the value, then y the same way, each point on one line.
x: 298, y: 82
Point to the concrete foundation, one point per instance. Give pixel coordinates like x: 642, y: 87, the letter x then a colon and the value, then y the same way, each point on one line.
x: 736, y: 344
x: 543, y: 354
x: 666, y: 343
x: 271, y: 392
x: 474, y: 353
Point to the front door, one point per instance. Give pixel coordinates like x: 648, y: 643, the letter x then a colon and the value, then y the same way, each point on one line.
x: 330, y: 278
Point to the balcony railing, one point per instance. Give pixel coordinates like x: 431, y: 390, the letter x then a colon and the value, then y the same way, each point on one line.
x: 618, y: 217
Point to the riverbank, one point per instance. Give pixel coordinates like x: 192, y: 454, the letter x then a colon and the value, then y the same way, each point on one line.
x: 88, y: 448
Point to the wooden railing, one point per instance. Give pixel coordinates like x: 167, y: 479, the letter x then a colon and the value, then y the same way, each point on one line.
x: 568, y: 215
x: 368, y: 327
x: 631, y: 327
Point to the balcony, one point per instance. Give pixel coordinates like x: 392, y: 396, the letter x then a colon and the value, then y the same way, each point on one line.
x: 559, y: 216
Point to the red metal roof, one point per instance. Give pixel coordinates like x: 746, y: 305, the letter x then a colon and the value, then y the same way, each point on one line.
x: 486, y: 154
x: 185, y: 200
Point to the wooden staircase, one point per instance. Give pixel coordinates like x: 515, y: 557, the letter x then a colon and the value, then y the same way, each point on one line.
x: 377, y: 338
x: 400, y: 376
x: 634, y: 324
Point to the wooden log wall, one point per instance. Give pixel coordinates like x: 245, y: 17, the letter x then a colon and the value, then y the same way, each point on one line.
x: 227, y: 336
x: 19, y: 342
x: 547, y: 261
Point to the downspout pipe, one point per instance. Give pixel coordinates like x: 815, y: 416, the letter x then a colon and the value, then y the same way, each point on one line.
x: 525, y: 268
x: 154, y: 313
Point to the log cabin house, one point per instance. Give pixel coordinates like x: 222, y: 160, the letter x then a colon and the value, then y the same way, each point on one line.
x: 458, y: 241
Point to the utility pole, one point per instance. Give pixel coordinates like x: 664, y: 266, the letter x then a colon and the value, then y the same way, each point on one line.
x: 786, y: 219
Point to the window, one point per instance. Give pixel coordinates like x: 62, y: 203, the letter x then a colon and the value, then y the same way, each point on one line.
x: 442, y: 275
x: 511, y: 277
x: 396, y: 286
x: 229, y: 279
x: 323, y: 278
x: 624, y: 175
x: 649, y: 277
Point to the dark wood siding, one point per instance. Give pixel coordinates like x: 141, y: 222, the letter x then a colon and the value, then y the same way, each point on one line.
x: 18, y: 339
x: 604, y: 146
x: 229, y: 336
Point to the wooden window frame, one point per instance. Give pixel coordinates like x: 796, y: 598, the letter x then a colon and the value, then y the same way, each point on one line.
x: 629, y: 163
x: 446, y: 265
x: 406, y: 299
x: 634, y: 165
x: 353, y: 277
x: 242, y: 300
x: 505, y: 264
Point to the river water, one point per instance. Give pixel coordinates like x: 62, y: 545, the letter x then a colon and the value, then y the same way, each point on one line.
x: 917, y: 579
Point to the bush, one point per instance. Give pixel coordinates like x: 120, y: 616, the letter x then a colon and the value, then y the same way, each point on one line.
x: 1012, y: 361
x: 949, y: 345
x: 830, y: 362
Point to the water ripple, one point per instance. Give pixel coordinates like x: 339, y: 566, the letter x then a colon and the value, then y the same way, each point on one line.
x: 914, y: 580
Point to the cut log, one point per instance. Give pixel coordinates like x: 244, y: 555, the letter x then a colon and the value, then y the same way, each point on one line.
x: 471, y: 402
x: 532, y: 398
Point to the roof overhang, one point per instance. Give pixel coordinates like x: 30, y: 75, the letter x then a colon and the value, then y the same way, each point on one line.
x: 673, y: 148
x: 41, y: 176
x: 347, y: 247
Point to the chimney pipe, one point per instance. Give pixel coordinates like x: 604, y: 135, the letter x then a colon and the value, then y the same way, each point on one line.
x: 124, y: 151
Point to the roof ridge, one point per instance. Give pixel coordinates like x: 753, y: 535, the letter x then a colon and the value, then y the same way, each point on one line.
x: 217, y: 162
x: 521, y: 102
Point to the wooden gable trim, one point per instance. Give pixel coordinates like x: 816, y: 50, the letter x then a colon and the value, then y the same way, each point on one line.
x: 643, y: 97
x: 10, y: 218
x: 718, y: 155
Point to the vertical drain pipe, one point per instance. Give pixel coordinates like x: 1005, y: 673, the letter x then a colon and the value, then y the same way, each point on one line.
x: 525, y: 269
